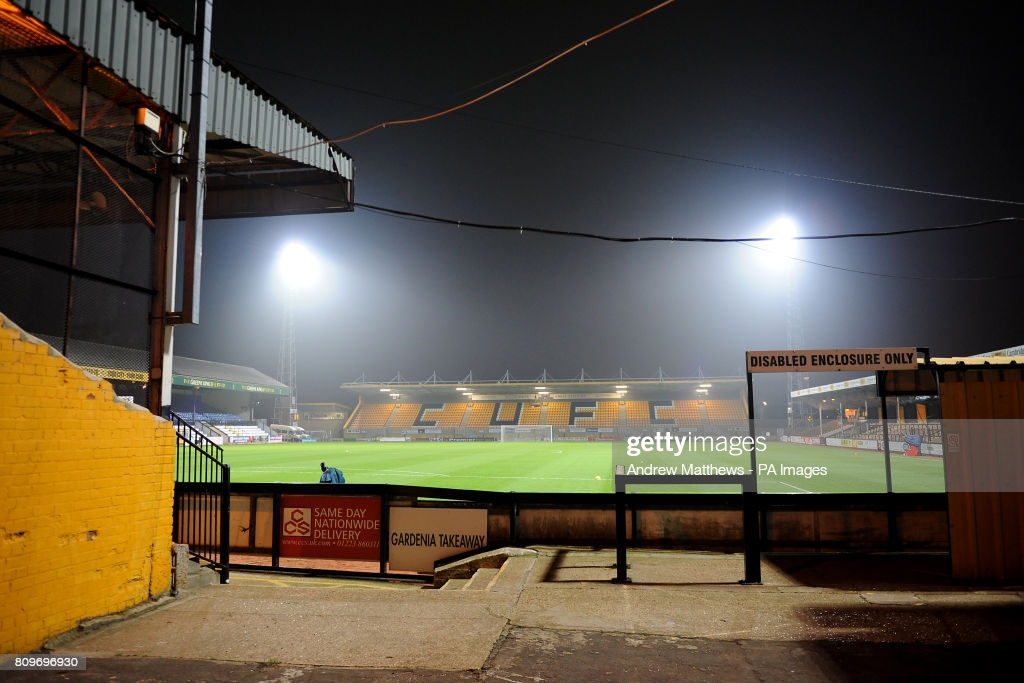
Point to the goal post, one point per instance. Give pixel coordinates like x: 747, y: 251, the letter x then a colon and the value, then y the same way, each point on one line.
x: 511, y: 433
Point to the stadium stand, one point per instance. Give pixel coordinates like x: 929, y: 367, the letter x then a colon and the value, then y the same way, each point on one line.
x: 725, y: 411
x: 558, y: 413
x: 572, y: 417
x: 508, y: 413
x: 531, y: 414
x: 607, y: 414
x: 638, y: 413
x: 244, y: 433
x: 372, y: 416
x: 480, y: 414
x: 405, y: 415
x: 679, y: 412
x: 448, y: 416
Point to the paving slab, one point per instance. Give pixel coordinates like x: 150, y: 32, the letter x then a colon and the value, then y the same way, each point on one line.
x: 555, y: 614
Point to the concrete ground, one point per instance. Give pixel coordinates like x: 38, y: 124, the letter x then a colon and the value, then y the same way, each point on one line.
x: 553, y: 614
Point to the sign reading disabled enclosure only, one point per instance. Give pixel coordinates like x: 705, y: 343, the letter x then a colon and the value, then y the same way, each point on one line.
x: 832, y: 360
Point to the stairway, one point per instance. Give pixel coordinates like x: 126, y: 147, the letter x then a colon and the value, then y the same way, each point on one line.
x: 501, y: 571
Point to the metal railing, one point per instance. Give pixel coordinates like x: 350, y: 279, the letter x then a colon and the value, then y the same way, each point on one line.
x: 202, y: 497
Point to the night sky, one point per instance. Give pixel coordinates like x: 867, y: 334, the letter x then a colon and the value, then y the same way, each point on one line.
x: 697, y: 120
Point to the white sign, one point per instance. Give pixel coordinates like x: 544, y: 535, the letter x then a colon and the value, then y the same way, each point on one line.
x: 420, y: 536
x: 832, y: 360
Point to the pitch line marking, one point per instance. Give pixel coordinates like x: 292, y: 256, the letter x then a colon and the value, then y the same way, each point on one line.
x: 784, y: 483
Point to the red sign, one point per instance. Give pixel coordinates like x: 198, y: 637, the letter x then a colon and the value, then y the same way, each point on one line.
x: 334, y: 527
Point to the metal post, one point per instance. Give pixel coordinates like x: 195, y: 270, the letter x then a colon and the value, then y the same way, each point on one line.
x: 225, y: 523
x: 385, y: 533
x: 751, y: 527
x: 620, y: 538
x: 196, y: 165
x: 513, y: 524
x: 880, y: 381
x: 751, y: 540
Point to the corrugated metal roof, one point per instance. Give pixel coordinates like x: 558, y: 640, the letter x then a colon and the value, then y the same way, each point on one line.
x: 195, y: 367
x: 155, y: 55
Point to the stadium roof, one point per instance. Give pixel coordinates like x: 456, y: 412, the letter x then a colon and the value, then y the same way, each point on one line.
x: 204, y: 374
x: 122, y: 363
x: 1011, y: 357
x: 262, y: 158
x: 547, y: 388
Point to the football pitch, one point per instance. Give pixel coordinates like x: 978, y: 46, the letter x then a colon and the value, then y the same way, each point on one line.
x: 568, y: 467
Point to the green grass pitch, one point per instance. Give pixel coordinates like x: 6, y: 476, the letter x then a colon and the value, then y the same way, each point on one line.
x: 563, y: 466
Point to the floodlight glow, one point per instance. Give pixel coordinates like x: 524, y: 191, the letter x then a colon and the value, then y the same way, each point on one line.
x: 297, y: 266
x: 621, y: 386
x: 704, y: 386
x: 460, y: 388
x: 781, y: 244
x: 540, y: 388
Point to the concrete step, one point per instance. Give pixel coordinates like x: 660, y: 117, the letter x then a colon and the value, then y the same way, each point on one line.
x: 513, y: 574
x: 509, y: 578
x: 481, y: 579
x: 465, y: 567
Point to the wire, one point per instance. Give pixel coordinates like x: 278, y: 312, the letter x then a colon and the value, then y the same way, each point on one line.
x: 746, y: 241
x: 925, y: 278
x: 662, y: 238
x: 653, y: 151
x: 490, y: 93
x: 510, y: 83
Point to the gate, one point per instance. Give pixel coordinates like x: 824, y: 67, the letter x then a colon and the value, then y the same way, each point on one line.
x: 202, y: 497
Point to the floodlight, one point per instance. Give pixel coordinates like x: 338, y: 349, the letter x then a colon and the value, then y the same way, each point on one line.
x: 781, y: 243
x: 297, y: 266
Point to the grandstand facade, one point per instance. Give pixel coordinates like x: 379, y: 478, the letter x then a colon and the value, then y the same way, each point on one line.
x: 574, y: 410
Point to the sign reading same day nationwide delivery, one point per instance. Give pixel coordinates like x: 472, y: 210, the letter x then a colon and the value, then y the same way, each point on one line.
x: 333, y: 527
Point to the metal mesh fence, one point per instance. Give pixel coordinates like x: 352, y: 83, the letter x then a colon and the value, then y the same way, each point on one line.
x: 77, y: 213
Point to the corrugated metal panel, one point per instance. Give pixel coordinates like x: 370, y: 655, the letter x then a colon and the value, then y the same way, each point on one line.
x: 149, y: 55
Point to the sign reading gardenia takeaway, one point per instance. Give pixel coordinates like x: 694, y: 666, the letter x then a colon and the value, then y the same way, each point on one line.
x: 420, y: 536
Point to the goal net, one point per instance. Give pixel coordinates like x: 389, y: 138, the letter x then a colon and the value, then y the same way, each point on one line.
x: 526, y: 433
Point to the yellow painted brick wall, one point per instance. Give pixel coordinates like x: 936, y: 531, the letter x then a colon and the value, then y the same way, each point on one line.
x: 86, y: 496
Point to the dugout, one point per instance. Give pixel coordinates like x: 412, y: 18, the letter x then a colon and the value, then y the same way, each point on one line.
x: 972, y: 410
x: 982, y: 400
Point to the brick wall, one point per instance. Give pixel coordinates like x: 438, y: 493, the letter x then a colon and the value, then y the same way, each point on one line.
x: 86, y: 496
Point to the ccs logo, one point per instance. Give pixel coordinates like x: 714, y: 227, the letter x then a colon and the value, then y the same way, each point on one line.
x: 296, y: 522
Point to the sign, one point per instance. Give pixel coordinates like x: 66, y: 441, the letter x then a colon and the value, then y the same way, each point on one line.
x: 832, y: 360
x: 421, y: 536
x: 206, y: 383
x: 333, y: 527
